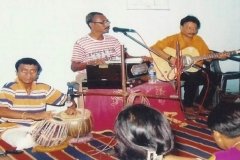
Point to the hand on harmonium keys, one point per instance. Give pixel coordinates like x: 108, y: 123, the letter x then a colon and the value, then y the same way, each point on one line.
x: 96, y: 62
x: 147, y: 59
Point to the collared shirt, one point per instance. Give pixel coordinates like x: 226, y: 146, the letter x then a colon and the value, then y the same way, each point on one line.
x: 194, y: 48
x: 14, y: 96
x: 197, y: 42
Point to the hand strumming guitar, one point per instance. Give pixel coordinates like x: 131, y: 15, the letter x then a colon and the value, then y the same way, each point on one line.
x: 172, y: 61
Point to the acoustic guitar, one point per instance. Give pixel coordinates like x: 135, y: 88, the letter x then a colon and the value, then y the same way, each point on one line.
x: 190, y: 56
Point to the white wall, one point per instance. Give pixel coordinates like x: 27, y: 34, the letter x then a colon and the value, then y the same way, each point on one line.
x: 47, y: 29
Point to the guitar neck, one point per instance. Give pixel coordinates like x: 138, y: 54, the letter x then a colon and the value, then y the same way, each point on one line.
x: 215, y: 55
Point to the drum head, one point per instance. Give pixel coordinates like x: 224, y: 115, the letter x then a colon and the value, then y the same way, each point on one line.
x: 81, y: 114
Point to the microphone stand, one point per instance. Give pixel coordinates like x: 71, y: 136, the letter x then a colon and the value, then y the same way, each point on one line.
x: 179, y: 72
x: 134, y: 39
x: 179, y: 62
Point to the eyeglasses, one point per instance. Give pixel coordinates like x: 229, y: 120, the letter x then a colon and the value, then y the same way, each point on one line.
x: 31, y: 72
x: 105, y: 22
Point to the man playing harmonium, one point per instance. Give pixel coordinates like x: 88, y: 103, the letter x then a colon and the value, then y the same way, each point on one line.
x: 97, y: 47
x: 26, y: 99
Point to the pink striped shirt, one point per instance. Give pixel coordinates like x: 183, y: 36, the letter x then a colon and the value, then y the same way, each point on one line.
x: 87, y: 48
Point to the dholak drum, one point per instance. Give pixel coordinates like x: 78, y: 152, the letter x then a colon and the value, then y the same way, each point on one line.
x: 50, y: 133
x: 79, y: 125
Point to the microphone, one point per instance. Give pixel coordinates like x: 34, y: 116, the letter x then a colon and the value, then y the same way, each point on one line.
x: 124, y: 30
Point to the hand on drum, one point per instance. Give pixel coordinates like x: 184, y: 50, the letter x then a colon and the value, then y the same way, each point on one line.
x: 48, y: 114
x: 71, y: 111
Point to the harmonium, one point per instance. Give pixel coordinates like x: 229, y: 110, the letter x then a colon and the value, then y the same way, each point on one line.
x: 109, y: 76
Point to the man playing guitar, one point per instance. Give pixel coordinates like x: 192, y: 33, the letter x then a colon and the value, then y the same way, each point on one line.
x: 187, y: 41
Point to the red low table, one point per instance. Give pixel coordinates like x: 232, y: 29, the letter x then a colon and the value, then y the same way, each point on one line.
x: 105, y: 108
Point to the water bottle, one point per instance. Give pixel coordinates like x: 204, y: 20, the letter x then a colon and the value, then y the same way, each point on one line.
x: 70, y: 93
x: 152, y: 74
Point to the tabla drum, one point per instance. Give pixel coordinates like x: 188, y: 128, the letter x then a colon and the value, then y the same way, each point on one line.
x: 50, y: 133
x: 79, y: 125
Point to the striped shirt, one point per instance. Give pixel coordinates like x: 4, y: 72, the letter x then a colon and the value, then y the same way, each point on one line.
x: 197, y: 42
x: 87, y: 48
x: 14, y: 96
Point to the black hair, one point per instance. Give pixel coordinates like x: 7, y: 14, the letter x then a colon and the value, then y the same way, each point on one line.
x: 225, y: 118
x: 140, y: 127
x: 90, y: 17
x: 29, y: 61
x: 190, y: 19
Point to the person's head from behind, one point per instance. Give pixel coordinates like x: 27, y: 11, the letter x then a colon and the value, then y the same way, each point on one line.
x: 98, y: 22
x: 28, y: 70
x: 189, y: 26
x: 140, y: 129
x: 224, y: 121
